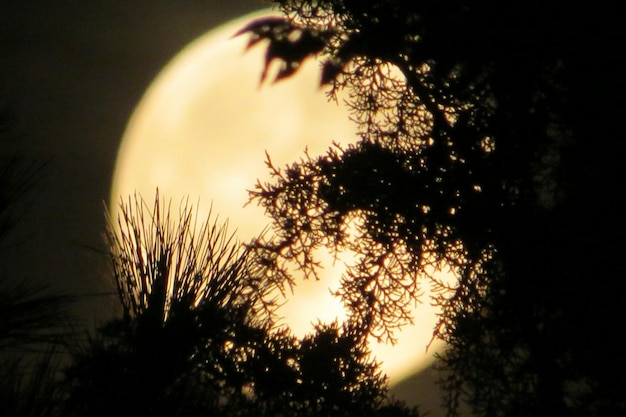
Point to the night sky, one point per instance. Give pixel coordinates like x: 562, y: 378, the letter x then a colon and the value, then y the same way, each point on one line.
x: 71, y: 73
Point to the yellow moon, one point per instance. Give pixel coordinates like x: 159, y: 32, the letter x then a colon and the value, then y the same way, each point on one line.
x: 202, y: 129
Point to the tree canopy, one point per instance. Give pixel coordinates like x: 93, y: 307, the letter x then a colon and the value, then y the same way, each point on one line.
x: 197, y: 334
x: 491, y: 144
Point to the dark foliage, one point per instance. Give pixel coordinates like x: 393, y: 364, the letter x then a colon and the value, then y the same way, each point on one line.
x: 197, y: 335
x: 35, y: 322
x: 18, y: 176
x: 491, y: 144
x: 31, y: 317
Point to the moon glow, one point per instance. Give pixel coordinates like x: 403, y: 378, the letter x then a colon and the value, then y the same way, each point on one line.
x: 201, y: 131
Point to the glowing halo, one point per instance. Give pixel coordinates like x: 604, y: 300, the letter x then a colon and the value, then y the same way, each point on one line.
x: 202, y: 129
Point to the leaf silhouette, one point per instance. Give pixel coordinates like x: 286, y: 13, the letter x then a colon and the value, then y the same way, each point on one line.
x: 289, y: 43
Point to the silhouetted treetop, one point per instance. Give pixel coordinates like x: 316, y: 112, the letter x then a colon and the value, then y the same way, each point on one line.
x: 490, y: 144
x: 161, y: 261
x: 197, y: 335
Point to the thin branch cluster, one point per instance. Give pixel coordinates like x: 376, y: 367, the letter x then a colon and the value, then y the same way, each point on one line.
x: 198, y: 337
x: 489, y: 144
x: 160, y: 261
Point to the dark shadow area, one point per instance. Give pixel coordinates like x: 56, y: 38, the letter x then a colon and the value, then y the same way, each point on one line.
x: 422, y: 389
x: 492, y: 146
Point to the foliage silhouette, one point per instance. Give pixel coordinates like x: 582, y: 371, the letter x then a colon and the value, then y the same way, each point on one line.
x: 32, y: 318
x: 490, y: 145
x: 18, y: 178
x: 35, y: 323
x: 197, y: 335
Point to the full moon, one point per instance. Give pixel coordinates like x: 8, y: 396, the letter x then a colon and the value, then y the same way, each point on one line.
x: 202, y: 131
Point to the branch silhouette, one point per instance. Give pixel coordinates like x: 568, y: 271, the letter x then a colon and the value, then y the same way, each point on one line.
x: 489, y: 145
x: 197, y: 335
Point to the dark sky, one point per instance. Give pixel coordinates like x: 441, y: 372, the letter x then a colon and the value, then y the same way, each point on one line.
x: 72, y: 72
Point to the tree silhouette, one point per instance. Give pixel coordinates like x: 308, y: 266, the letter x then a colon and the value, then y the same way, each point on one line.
x: 35, y: 323
x: 197, y: 334
x: 193, y: 309
x: 490, y: 145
